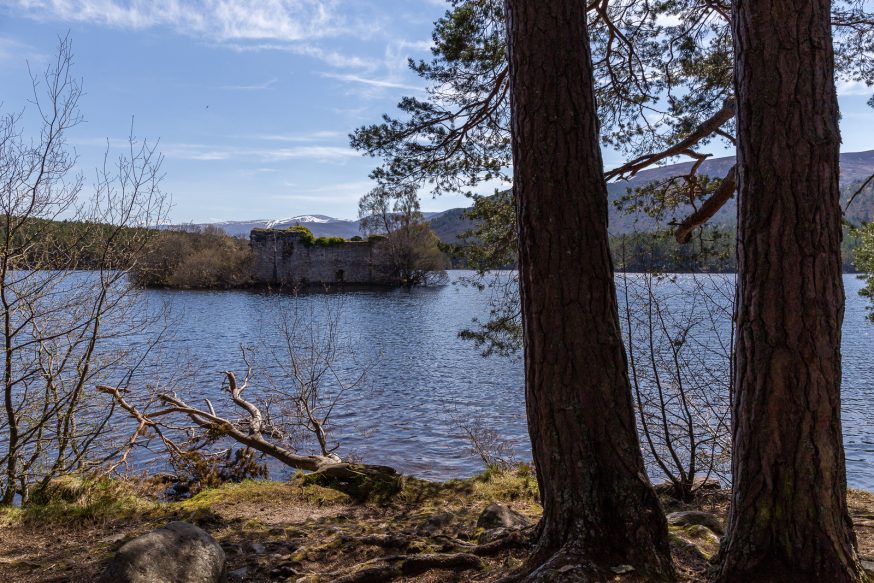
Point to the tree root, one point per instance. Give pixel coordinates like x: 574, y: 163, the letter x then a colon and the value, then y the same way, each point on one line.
x: 360, y: 482
x: 397, y: 566
x: 457, y: 555
x: 568, y: 566
x: 386, y: 541
x: 512, y: 540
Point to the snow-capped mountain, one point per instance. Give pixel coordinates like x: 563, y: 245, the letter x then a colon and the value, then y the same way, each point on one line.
x: 320, y: 225
x: 325, y: 226
x: 447, y: 225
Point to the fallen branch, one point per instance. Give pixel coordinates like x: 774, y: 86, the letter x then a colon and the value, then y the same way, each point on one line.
x: 359, y: 481
x: 208, y: 420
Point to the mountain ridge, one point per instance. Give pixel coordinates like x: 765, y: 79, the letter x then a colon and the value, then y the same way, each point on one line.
x: 449, y: 224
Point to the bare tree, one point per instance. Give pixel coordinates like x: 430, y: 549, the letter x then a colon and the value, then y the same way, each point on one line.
x: 314, y: 348
x: 495, y: 451
x: 413, y: 252
x: 61, y: 326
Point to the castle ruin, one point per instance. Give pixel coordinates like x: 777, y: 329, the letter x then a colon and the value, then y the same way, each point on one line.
x: 291, y: 258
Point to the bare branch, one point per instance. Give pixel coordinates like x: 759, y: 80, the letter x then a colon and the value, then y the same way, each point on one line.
x: 707, y: 128
x: 710, y: 207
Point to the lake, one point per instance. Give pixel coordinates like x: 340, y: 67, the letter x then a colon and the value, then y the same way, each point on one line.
x: 428, y: 384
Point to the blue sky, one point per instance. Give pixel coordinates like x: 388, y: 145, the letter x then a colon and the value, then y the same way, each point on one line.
x: 252, y: 100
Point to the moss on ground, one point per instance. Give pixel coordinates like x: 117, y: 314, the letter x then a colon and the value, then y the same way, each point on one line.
x: 253, y: 491
x: 696, y: 539
x: 308, y: 532
x: 71, y: 500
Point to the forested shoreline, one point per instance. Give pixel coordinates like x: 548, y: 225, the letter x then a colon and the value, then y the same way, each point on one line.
x: 204, y: 257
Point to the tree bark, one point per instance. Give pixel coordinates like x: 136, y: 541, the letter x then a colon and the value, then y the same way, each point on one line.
x: 600, y: 512
x: 788, y: 519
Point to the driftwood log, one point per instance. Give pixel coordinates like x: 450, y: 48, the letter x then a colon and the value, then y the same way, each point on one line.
x: 361, y: 482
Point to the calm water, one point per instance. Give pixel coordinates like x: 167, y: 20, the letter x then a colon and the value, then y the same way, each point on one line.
x: 428, y: 383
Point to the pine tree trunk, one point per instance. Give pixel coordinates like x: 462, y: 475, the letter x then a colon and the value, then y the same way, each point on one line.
x: 788, y: 518
x: 600, y: 512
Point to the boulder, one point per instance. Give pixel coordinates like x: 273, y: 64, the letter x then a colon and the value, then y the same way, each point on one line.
x: 177, y: 553
x: 360, y: 482
x: 436, y: 522
x: 699, y: 484
x: 696, y: 517
x: 499, y: 516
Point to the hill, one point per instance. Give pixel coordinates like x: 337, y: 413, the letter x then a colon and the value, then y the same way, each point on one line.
x: 449, y: 224
x: 855, y: 167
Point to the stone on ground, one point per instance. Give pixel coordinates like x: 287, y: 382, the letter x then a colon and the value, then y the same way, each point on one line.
x: 177, y: 553
x: 693, y: 517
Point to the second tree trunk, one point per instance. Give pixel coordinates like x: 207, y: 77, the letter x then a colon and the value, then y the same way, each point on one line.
x: 788, y: 518
x: 601, y: 515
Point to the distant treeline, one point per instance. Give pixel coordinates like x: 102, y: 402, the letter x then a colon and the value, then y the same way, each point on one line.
x: 711, y: 251
x: 68, y: 245
x: 188, y: 257
x: 196, y: 257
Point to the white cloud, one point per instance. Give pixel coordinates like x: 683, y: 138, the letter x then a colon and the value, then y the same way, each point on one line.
x: 296, y: 26
x: 301, y: 27
x: 323, y: 153
x: 209, y: 152
x: 217, y: 20
x: 303, y: 137
x: 357, y: 187
x: 15, y: 51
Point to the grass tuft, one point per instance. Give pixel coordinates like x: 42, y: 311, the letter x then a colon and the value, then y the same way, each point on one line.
x: 74, y: 499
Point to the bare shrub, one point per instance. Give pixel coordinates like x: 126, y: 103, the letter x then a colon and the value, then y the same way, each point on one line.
x: 195, y: 258
x: 62, y: 326
x: 679, y: 337
x: 496, y: 452
x: 411, y: 251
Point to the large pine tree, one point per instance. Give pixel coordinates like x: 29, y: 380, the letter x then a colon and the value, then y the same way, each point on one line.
x: 788, y: 518
x: 601, y: 515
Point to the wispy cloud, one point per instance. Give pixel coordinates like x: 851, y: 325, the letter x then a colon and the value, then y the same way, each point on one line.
x: 323, y: 153
x: 380, y: 83
x: 211, y: 152
x: 296, y: 26
x: 15, y: 51
x: 302, y: 137
x: 218, y: 20
x: 255, y: 87
x: 302, y: 27
x: 357, y: 187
